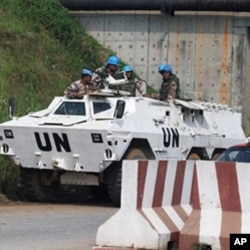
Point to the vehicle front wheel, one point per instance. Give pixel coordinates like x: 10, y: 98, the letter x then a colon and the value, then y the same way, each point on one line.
x: 37, y: 185
x: 115, y: 175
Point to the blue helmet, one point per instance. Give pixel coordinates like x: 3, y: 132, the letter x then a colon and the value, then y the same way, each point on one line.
x: 114, y: 60
x: 161, y: 67
x: 168, y: 68
x: 87, y: 72
x: 127, y: 68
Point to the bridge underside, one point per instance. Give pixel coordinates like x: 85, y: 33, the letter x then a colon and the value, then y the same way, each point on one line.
x: 166, y: 6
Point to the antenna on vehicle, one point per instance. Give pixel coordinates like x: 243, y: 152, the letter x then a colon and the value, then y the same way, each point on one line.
x: 11, y: 107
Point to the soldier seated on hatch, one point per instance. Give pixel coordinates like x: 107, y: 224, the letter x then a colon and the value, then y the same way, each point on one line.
x: 81, y: 87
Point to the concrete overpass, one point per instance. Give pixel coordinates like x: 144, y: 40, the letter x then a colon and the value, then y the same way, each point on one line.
x: 167, y: 6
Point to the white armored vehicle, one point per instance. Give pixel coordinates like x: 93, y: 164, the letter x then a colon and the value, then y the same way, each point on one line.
x: 83, y: 142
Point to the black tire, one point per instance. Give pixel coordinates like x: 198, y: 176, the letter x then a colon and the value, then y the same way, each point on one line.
x: 114, y: 183
x: 100, y: 192
x: 115, y: 175
x: 33, y: 186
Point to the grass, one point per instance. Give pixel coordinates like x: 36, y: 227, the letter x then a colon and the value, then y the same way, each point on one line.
x: 42, y: 50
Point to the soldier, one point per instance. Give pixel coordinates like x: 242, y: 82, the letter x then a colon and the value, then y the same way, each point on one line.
x: 135, y: 86
x: 170, y: 87
x: 101, y: 73
x: 81, y: 87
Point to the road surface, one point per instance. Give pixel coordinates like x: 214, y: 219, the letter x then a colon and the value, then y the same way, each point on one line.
x: 28, y: 226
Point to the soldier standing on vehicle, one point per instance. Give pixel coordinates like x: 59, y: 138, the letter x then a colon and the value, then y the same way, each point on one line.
x: 81, y: 87
x: 135, y: 86
x: 101, y: 73
x: 170, y: 87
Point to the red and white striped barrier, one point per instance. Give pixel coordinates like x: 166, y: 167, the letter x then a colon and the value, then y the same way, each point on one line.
x: 155, y: 205
x: 221, y: 204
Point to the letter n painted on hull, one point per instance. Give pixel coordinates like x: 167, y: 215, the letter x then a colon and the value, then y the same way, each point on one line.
x: 170, y: 135
x: 61, y: 142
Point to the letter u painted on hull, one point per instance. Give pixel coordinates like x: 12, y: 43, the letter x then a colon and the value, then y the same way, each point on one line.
x: 170, y: 135
x: 44, y: 144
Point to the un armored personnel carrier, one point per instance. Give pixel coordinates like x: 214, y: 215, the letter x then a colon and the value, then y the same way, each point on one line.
x: 83, y: 142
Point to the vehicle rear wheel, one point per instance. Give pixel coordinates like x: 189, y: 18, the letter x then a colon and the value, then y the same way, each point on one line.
x: 215, y: 156
x: 115, y: 175
x: 36, y: 185
x: 193, y: 156
x: 135, y: 154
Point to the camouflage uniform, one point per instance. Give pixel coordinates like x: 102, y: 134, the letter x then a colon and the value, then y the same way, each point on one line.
x: 141, y: 87
x: 136, y: 87
x: 170, y: 88
x: 76, y: 88
x: 98, y: 77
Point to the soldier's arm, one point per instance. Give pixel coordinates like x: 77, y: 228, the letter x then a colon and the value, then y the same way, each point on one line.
x: 141, y: 86
x: 98, y: 77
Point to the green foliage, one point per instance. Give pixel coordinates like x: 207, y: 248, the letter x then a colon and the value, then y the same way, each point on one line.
x: 53, y: 17
x: 8, y: 178
x: 42, y: 50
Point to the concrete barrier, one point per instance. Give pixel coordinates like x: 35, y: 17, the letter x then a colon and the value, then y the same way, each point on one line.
x: 221, y: 205
x: 186, y: 202
x: 155, y: 205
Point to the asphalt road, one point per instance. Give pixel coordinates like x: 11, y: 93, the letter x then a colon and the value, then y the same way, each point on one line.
x: 26, y: 226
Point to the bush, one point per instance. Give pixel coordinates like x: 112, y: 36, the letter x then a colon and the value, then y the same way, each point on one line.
x: 8, y: 178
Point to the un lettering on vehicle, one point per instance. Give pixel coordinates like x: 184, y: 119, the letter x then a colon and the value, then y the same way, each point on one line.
x: 45, y: 142
x: 170, y: 137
